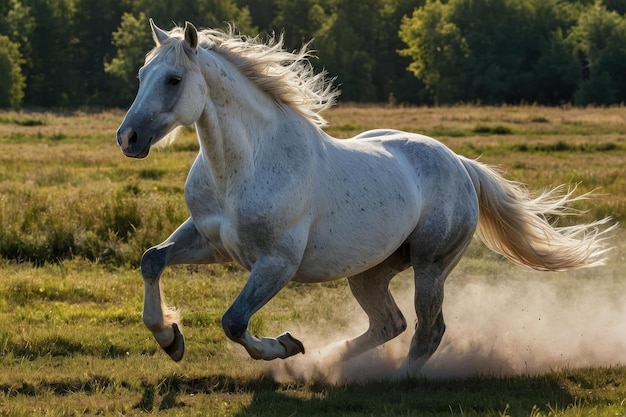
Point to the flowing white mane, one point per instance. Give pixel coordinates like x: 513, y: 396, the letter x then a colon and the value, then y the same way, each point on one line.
x: 288, y: 77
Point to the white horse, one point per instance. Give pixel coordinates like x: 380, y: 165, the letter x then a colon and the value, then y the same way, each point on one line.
x: 272, y: 192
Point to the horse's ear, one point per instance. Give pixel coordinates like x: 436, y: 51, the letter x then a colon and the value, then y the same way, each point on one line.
x: 191, y: 35
x: 158, y: 34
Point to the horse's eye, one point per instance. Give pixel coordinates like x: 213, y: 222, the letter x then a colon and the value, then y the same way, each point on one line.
x: 174, y: 80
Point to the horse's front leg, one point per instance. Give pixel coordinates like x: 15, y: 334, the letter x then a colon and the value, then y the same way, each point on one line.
x: 268, y: 276
x: 184, y: 246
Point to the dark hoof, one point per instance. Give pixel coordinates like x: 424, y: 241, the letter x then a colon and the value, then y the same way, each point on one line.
x: 176, y: 349
x: 292, y: 345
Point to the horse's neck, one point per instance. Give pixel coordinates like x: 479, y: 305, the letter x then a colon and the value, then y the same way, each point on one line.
x: 237, y: 116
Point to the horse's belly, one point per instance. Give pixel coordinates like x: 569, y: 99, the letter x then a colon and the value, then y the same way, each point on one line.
x: 334, y: 262
x: 324, y: 269
x: 339, y: 249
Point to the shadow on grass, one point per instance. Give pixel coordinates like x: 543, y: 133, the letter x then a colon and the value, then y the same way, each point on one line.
x: 418, y: 397
x: 477, y: 396
x: 61, y: 346
x: 90, y: 385
x: 167, y: 393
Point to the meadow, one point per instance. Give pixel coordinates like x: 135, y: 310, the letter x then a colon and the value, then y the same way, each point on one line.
x: 75, y: 217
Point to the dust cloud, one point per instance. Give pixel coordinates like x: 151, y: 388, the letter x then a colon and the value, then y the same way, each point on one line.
x: 509, y: 322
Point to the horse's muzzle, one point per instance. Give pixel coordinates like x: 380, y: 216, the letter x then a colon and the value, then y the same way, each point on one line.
x: 131, y: 146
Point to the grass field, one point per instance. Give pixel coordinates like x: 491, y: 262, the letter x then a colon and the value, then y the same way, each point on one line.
x: 75, y: 217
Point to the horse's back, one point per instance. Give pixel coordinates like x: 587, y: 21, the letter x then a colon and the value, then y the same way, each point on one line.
x: 426, y: 162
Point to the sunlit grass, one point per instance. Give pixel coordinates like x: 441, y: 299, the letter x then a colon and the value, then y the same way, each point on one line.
x: 75, y: 217
x: 71, y: 164
x: 72, y: 342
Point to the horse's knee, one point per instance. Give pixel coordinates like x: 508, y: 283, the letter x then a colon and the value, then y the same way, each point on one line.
x: 153, y: 262
x: 234, y: 326
x: 393, y: 328
x: 400, y: 326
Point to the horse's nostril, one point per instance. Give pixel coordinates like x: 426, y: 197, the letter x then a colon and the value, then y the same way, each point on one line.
x: 132, y: 139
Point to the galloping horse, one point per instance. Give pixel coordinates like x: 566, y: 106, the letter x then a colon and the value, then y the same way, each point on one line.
x: 271, y: 191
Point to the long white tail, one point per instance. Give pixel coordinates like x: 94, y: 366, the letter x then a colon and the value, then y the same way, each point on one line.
x: 515, y: 225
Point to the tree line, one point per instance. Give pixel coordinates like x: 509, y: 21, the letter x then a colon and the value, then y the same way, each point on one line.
x: 73, y: 53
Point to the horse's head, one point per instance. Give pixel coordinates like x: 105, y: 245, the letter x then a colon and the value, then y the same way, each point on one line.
x: 171, y: 92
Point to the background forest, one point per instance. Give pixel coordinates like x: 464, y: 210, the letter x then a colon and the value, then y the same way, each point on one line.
x: 76, y: 53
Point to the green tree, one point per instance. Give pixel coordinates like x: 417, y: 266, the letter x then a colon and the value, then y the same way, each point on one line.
x: 556, y: 72
x: 344, y: 50
x: 356, y: 42
x: 507, y: 45
x: 52, y: 71
x: 437, y: 48
x: 13, y: 82
x: 17, y: 23
x: 262, y: 12
x: 132, y: 40
x: 299, y: 20
x: 599, y: 42
x: 618, y: 6
x: 490, y: 51
x: 203, y: 13
x: 84, y: 52
x: 20, y: 25
x: 392, y: 80
x: 93, y: 25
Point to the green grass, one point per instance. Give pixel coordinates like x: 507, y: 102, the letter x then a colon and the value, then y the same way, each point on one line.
x: 75, y: 217
x: 492, y: 130
x: 72, y: 343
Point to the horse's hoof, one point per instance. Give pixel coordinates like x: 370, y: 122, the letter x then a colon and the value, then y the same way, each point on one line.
x: 176, y: 349
x: 292, y: 345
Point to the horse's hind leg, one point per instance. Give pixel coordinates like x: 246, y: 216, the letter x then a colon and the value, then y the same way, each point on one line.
x: 430, y: 325
x: 184, y: 246
x: 431, y: 269
x: 371, y: 290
